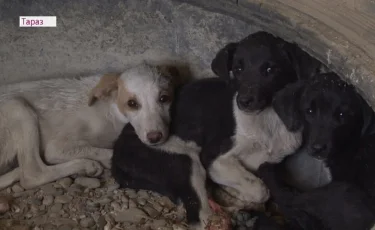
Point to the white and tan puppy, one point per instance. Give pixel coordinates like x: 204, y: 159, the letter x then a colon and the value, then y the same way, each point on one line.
x: 55, y: 128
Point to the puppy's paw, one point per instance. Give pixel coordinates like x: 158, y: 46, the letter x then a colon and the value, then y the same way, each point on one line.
x: 256, y: 193
x: 93, y: 168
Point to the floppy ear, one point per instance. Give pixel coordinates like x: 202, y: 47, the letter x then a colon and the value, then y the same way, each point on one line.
x: 286, y: 104
x: 222, y: 63
x: 107, y: 84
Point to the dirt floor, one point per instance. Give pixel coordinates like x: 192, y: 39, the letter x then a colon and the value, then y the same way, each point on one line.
x: 74, y: 203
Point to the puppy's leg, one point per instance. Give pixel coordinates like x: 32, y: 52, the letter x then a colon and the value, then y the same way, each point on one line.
x: 227, y: 170
x: 198, y: 184
x: 9, y: 178
x: 60, y: 151
x: 20, y: 132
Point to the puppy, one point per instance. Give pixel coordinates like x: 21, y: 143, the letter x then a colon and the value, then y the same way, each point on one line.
x: 54, y: 128
x: 219, y: 126
x: 333, y: 117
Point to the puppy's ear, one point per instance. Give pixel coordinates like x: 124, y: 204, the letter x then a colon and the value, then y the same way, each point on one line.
x: 286, y: 104
x: 222, y: 63
x: 107, y: 84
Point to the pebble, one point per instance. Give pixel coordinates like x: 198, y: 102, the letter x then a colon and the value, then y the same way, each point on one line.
x: 132, y: 204
x: 87, y: 182
x: 17, y: 188
x: 131, y: 193
x: 130, y: 215
x: 75, y: 189
x: 157, y: 224
x: 141, y: 201
x: 151, y: 211
x: 116, y: 206
x: 56, y: 207
x: 48, y: 200
x: 143, y: 194
x: 64, y: 227
x: 113, y: 187
x: 49, y: 189
x: 87, y: 222
x: 63, y: 199
x: 4, y: 204
x: 65, y: 182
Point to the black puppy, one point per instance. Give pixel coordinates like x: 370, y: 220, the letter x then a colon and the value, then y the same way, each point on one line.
x: 334, y: 119
x: 213, y: 130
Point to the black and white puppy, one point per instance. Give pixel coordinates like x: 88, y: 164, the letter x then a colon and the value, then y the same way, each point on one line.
x: 334, y: 119
x: 215, y: 130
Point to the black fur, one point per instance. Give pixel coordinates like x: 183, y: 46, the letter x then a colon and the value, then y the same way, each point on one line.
x: 335, y: 118
x: 272, y: 63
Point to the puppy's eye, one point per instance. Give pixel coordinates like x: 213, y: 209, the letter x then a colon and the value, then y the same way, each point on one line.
x: 164, y: 98
x: 309, y: 111
x: 132, y: 104
x: 239, y: 67
x: 269, y: 70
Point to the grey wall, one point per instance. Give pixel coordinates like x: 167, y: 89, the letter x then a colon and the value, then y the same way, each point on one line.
x: 98, y: 36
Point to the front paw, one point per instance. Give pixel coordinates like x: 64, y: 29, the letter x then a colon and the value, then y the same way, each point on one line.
x: 93, y: 168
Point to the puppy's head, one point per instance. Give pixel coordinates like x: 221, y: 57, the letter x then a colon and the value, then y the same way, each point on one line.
x: 332, y: 114
x: 260, y: 65
x: 141, y: 95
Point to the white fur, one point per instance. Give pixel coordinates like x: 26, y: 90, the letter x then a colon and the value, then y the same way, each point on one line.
x: 51, y: 120
x: 260, y: 137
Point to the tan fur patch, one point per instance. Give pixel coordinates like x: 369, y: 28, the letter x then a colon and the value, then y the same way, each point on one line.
x: 107, y: 84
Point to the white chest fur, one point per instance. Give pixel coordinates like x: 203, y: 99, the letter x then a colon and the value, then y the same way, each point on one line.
x: 262, y: 137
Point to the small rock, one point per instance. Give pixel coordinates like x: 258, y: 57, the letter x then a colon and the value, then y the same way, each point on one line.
x: 157, y: 224
x: 35, y: 202
x: 64, y: 199
x: 87, y: 182
x: 132, y: 204
x: 113, y: 187
x: 124, y: 199
x: 141, y: 201
x: 103, y: 201
x: 17, y: 188
x: 166, y: 202
x: 101, y: 222
x: 87, y: 222
x: 143, y: 194
x: 49, y: 189
x: 64, y: 227
x: 151, y: 211
x: 116, y: 206
x: 130, y: 215
x: 48, y: 200
x: 75, y: 189
x: 56, y: 207
x: 65, y: 182
x: 131, y: 193
x: 4, y: 204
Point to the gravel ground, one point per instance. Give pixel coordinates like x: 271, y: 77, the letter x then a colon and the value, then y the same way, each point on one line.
x: 94, y: 203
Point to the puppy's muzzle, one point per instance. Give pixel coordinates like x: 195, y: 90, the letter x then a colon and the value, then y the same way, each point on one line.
x: 251, y: 100
x: 319, y: 151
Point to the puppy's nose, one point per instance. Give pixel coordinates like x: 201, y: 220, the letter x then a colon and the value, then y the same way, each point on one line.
x: 319, y: 147
x: 154, y: 136
x: 246, y: 101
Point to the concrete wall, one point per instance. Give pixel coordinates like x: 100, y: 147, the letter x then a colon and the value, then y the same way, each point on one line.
x: 98, y: 36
